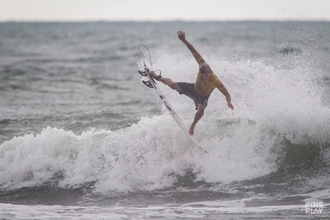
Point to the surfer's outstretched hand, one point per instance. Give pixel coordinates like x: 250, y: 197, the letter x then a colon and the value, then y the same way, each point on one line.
x: 181, y: 35
x: 230, y: 105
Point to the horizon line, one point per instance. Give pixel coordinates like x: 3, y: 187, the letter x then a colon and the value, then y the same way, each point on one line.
x: 162, y: 20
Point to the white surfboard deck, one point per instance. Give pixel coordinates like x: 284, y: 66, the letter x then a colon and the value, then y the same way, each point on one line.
x: 171, y: 110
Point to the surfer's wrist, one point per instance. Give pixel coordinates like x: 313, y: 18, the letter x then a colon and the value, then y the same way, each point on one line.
x: 184, y: 40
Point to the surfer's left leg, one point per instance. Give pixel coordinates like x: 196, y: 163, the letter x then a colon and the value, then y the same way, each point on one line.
x: 199, y: 114
x: 166, y: 81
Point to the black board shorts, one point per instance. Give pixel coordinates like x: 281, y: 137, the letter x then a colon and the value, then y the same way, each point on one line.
x: 188, y: 90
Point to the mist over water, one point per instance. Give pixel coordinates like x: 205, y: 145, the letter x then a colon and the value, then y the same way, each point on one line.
x: 75, y: 118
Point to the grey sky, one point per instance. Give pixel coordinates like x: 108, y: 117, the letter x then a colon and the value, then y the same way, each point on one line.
x: 154, y: 10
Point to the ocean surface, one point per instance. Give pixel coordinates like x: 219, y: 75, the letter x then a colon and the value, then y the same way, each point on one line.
x: 82, y: 138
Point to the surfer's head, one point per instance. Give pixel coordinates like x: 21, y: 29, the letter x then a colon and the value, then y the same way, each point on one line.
x: 204, y: 68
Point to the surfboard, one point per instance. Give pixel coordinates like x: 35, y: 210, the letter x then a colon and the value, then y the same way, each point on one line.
x: 151, y: 83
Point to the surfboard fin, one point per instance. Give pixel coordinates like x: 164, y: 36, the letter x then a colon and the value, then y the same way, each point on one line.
x: 148, y: 84
x: 142, y: 73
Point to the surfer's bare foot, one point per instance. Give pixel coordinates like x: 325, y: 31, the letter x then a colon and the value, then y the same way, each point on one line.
x: 191, y: 130
x: 154, y: 75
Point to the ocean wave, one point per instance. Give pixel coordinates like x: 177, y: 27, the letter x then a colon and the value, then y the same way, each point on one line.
x: 276, y: 115
x: 146, y: 156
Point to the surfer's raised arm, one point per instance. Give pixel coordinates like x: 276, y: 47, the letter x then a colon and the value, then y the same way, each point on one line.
x: 198, y: 57
x: 200, y: 90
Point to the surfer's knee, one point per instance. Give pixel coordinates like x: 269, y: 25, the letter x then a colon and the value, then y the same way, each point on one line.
x: 201, y: 108
x: 174, y: 86
x: 166, y: 81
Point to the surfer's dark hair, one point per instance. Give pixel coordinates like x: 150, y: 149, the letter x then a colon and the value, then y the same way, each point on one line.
x: 204, y: 68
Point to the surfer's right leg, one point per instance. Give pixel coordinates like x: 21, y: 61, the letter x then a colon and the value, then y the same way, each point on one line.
x: 166, y: 81
x: 199, y: 114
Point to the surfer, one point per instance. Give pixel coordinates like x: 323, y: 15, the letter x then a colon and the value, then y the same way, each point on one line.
x: 199, y: 91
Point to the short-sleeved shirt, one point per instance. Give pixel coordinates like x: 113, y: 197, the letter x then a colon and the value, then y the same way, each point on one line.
x: 204, y: 87
x: 201, y: 89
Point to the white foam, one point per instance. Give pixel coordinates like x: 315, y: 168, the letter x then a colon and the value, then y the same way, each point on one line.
x: 269, y: 104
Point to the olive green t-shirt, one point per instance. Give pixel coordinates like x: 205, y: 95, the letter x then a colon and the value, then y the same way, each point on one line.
x: 204, y: 87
